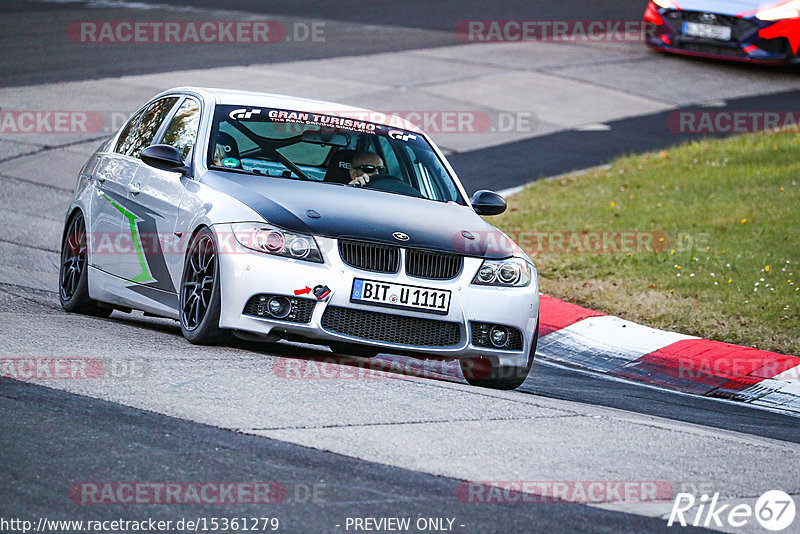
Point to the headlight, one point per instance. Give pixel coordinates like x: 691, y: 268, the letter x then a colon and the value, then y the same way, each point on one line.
x: 512, y: 272
x: 788, y: 9
x: 273, y: 240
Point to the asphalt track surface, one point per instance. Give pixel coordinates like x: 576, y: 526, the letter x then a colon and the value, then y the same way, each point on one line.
x: 34, y: 50
x: 511, y: 165
x: 443, y: 15
x: 84, y: 434
x: 50, y: 439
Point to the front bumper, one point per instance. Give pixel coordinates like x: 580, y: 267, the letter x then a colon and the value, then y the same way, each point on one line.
x: 245, y: 273
x: 752, y: 40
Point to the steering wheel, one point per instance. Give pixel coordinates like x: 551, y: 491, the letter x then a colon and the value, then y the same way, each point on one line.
x: 392, y: 184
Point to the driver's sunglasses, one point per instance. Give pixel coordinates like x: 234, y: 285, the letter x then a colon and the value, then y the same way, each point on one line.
x: 371, y: 169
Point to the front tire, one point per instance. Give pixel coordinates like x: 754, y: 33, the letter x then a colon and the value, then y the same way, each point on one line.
x: 73, y: 275
x: 200, y: 292
x: 481, y: 373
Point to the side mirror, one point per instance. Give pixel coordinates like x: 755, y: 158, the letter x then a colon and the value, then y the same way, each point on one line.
x: 164, y: 157
x: 488, y: 203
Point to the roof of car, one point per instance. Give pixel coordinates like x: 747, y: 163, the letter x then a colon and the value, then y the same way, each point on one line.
x: 251, y: 98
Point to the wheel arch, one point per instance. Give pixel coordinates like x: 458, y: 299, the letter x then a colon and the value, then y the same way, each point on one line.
x: 199, y: 226
x: 70, y: 214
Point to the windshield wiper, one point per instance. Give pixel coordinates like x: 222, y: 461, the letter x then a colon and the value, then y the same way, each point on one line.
x: 257, y: 172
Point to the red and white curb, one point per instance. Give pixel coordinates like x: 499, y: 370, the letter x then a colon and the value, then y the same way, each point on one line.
x: 580, y: 337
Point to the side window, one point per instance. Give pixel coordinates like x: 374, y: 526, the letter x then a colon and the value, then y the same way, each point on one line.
x: 126, y: 137
x: 182, y: 131
x: 146, y: 130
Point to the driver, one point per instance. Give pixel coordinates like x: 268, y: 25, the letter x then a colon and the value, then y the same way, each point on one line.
x: 363, y: 166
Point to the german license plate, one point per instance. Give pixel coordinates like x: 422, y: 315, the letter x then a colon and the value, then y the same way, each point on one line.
x: 400, y: 296
x: 709, y: 31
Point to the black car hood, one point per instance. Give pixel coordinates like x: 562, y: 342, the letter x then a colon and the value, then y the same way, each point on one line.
x: 363, y: 214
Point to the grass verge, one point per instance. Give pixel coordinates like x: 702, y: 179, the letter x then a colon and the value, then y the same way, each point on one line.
x: 702, y: 239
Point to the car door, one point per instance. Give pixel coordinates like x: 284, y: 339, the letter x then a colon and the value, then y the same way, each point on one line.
x: 139, y: 227
x: 111, y: 177
x: 155, y: 195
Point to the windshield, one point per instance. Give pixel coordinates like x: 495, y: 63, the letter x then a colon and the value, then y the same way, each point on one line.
x: 328, y: 148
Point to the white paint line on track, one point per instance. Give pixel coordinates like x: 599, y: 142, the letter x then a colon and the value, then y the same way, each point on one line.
x: 594, y: 127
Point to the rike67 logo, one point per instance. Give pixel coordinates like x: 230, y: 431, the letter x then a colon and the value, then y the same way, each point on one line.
x: 774, y: 510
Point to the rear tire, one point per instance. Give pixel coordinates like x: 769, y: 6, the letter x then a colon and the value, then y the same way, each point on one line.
x: 73, y: 275
x: 481, y: 373
x: 200, y: 292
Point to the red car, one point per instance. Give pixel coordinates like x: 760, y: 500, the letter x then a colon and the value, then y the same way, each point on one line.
x: 740, y: 30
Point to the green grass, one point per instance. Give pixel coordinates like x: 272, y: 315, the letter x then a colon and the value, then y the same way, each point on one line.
x: 729, y: 266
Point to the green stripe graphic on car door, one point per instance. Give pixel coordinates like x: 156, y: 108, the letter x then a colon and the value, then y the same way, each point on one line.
x: 145, y: 276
